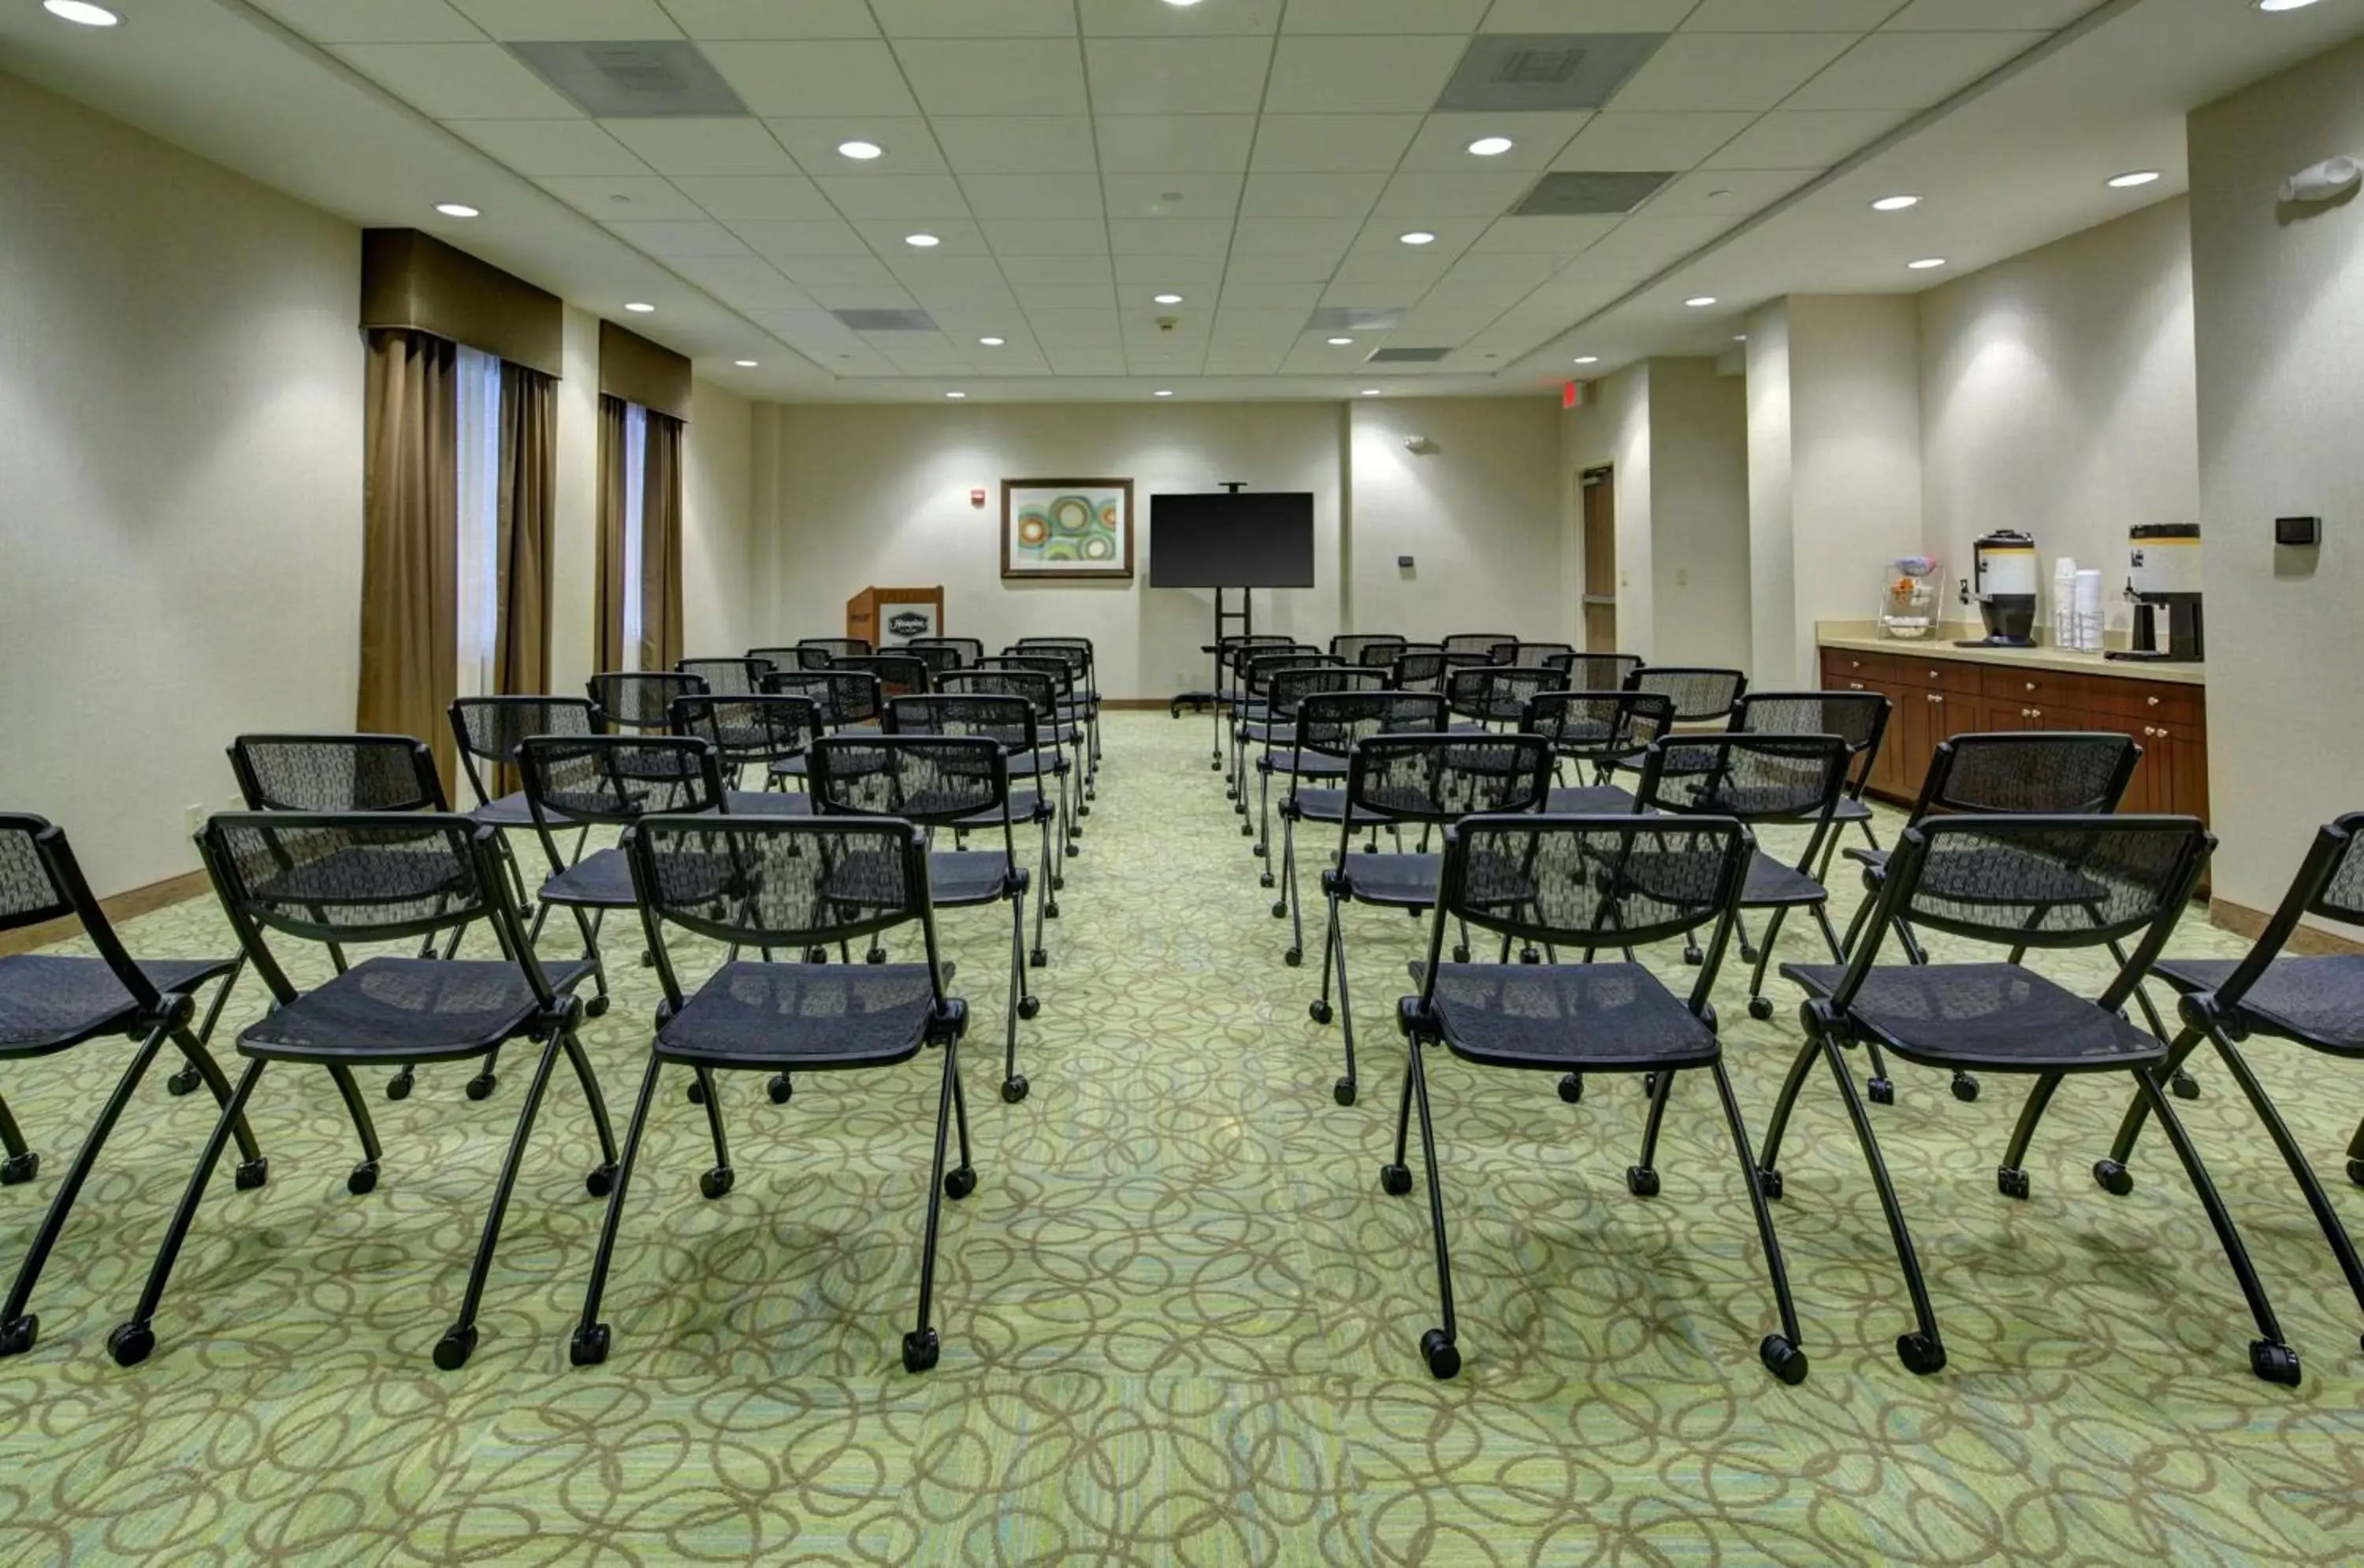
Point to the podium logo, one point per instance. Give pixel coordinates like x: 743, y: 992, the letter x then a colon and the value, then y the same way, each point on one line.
x: 909, y: 623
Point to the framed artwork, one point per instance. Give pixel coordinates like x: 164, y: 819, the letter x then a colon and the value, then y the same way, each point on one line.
x: 1070, y: 529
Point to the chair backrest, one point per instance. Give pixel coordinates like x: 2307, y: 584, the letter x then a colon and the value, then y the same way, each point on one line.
x: 1496, y: 693
x: 764, y: 728
x: 820, y: 652
x: 1701, y: 694
x: 782, y: 881
x: 2058, y: 772
x: 493, y: 729
x: 1061, y: 672
x: 1859, y: 718
x: 846, y: 696
x: 1479, y: 648
x: 1754, y: 778
x: 965, y: 651
x: 1420, y: 670
x: 2329, y: 885
x: 640, y: 699
x: 1441, y: 778
x: 1593, y: 881
x: 1041, y: 691
x: 900, y: 675
x: 617, y: 779
x: 1077, y: 650
x: 778, y: 658
x: 1330, y: 722
x: 1230, y: 652
x: 1010, y: 720
x: 40, y: 881
x: 1375, y: 648
x: 1540, y: 653
x: 1595, y: 672
x: 938, y: 658
x: 1599, y: 726
x: 1285, y: 689
x: 1255, y: 676
x: 728, y: 677
x: 336, y: 773
x: 933, y: 780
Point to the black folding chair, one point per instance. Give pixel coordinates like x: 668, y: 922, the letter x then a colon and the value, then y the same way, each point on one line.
x: 1038, y: 760
x: 1328, y: 725
x: 376, y: 877
x: 1593, y: 728
x: 491, y: 731
x: 1425, y: 780
x: 2315, y: 1001
x: 938, y: 782
x: 898, y: 675
x: 50, y: 1003
x: 1229, y: 651
x: 1059, y: 726
x: 780, y: 659
x: 1284, y: 691
x: 849, y: 701
x: 1485, y: 695
x: 1479, y: 648
x: 820, y: 652
x: 964, y: 650
x: 1539, y: 655
x: 1860, y: 719
x: 2016, y: 882
x: 633, y: 701
x: 1587, y: 881
x: 940, y: 660
x: 728, y: 677
x: 1009, y: 721
x: 1420, y: 669
x: 1378, y: 649
x: 1252, y: 713
x: 1594, y: 671
x: 759, y: 732
x: 1078, y: 651
x: 786, y: 882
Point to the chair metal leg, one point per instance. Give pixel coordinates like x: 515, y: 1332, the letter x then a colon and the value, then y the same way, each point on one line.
x: 2010, y: 1176
x: 921, y: 1346
x: 1923, y: 1351
x: 606, y: 1171
x: 589, y: 1345
x: 1342, y: 1090
x: 717, y: 1181
x: 22, y: 1162
x: 1781, y: 1354
x: 252, y: 1167
x: 2342, y: 1248
x: 1769, y: 1152
x: 1013, y: 1087
x: 134, y: 1340
x: 1642, y: 1177
x: 1287, y: 904
x: 187, y: 1080
x: 451, y: 1352
x: 2110, y: 1173
x: 364, y: 1175
x: 1440, y: 1346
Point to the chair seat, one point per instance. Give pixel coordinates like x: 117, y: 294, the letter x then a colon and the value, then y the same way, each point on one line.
x: 602, y: 880
x: 1774, y: 886
x: 407, y: 1009
x: 1025, y: 805
x: 49, y: 1001
x: 2001, y: 875
x: 511, y: 811
x: 1591, y: 800
x: 1850, y: 809
x: 808, y: 1017
x: 1603, y: 1017
x: 960, y: 877
x: 766, y: 802
x: 1996, y: 1017
x: 1037, y: 765
x: 1873, y: 860
x: 1304, y: 765
x: 1401, y: 879
x: 1326, y: 805
x: 2318, y: 1001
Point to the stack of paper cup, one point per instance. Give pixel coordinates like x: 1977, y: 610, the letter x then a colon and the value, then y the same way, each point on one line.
x: 2064, y: 602
x: 2089, y: 611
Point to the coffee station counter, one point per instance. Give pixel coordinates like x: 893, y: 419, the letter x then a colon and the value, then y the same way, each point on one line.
x: 1860, y: 637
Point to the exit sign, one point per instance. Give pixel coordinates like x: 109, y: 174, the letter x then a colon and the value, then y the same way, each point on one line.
x: 1572, y: 395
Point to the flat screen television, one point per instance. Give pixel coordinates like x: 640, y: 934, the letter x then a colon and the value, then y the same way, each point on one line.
x: 1251, y: 539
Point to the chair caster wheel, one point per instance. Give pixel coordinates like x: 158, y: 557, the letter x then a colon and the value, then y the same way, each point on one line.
x: 1921, y: 1354
x: 780, y: 1089
x: 696, y: 1092
x: 1641, y: 1181
x: 1013, y: 1089
x: 1443, y: 1356
x: 2356, y: 1171
x: 2275, y: 1363
x: 1318, y: 1011
x: 1395, y: 1180
x: 1460, y: 953
x: 1293, y: 957
x: 363, y: 1179
x: 589, y: 1346
x: 16, y: 1335
x: 1760, y: 1007
x: 252, y: 1173
x: 2183, y: 1085
x: 1966, y: 1088
x: 875, y: 956
x: 1692, y: 956
x: 920, y: 1350
x: 596, y: 1007
x: 1529, y: 955
x: 1342, y: 1090
x: 717, y: 1182
x: 600, y: 1181
x: 2011, y: 1183
x: 1029, y: 1008
x: 1259, y: 852
x: 398, y: 1087
x: 1039, y: 958
x: 131, y: 1344
x: 1768, y: 1182
x: 1782, y: 1359
x: 816, y: 955
x: 1279, y: 907
x: 1264, y: 879
x: 185, y: 1081
x: 1884, y: 1093
x: 482, y: 1085
x: 20, y: 1168
x: 2115, y: 1179
x: 1571, y: 1088
x: 1050, y: 910
x: 453, y: 1350
x: 1747, y: 953
x: 1649, y: 1083
x: 959, y: 1183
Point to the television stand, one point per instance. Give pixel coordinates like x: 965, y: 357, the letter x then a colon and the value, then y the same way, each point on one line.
x: 1202, y: 702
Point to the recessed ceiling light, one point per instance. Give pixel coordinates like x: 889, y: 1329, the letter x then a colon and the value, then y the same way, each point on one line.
x: 1490, y: 146
x: 1162, y: 392
x: 1740, y: 337
x: 1167, y: 298
x: 1418, y: 237
x: 1181, y: 4
x: 1700, y: 301
x: 638, y: 307
x: 1340, y: 342
x: 456, y: 209
x: 1926, y: 262
x: 2268, y: 7
x: 1588, y: 359
x: 993, y: 342
x: 922, y: 241
x: 744, y: 364
x: 1370, y: 392
x: 1895, y: 204
x: 955, y: 396
x: 2131, y: 178
x: 81, y: 12
x: 861, y: 151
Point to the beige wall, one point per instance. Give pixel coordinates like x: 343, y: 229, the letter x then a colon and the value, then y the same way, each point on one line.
x: 2056, y: 396
x: 718, y: 547
x: 1772, y: 524
x: 2279, y: 333
x: 1698, y: 513
x: 180, y: 479
x: 574, y: 549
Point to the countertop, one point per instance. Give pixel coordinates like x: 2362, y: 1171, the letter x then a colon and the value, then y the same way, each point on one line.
x: 1859, y: 638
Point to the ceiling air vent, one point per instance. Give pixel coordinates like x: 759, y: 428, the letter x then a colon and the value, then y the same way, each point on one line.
x: 633, y: 79
x: 1355, y: 318
x: 1405, y: 356
x: 1528, y: 72
x: 886, y: 320
x: 1588, y: 193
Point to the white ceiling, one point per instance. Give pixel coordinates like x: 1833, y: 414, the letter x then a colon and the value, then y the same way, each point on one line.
x: 1258, y: 157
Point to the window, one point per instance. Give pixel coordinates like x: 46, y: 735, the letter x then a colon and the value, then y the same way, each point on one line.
x: 479, y: 464
x: 636, y: 450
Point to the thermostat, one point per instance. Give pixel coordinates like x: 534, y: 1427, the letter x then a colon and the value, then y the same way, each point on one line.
x: 1404, y: 561
x: 2298, y: 530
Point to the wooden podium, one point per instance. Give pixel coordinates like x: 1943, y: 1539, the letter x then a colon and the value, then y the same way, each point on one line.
x: 882, y: 617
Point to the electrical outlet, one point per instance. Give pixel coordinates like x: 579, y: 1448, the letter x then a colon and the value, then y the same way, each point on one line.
x: 193, y: 817
x: 1181, y: 679
x: 1682, y: 577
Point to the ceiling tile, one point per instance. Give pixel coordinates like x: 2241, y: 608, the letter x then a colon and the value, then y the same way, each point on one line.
x: 743, y: 283
x: 1384, y: 15
x: 1047, y: 237
x: 1545, y: 236
x: 1729, y: 70
x: 807, y: 80
x: 1910, y: 71
x: 739, y: 199
x: 782, y: 240
x: 1382, y: 237
x: 692, y: 238
x: 1339, y: 75
x: 1172, y: 196
x: 995, y: 76
x: 1311, y: 195
x: 609, y: 197
x: 1169, y: 235
x: 910, y: 147
x: 920, y: 271
x: 1131, y: 19
x: 1442, y: 144
x: 1620, y: 140
x: 839, y: 273
x: 1107, y: 362
x: 957, y: 237
x: 859, y: 293
x: 1976, y: 16
x: 1640, y: 246
x: 1789, y: 139
x: 976, y: 18
x: 770, y: 18
x: 1149, y: 144
x: 1026, y: 144
x: 458, y: 81
x: 993, y: 311
x: 1255, y: 267
x: 524, y: 20
x: 1138, y: 277
x: 1158, y: 77
x: 1317, y: 144
x: 912, y: 195
x: 1056, y: 269
x: 1453, y: 196
x: 1032, y: 195
x: 1789, y: 16
x: 703, y: 145
x: 1276, y: 297
x: 1499, y: 271
x: 1375, y: 291
x: 374, y: 21
x: 1070, y: 326
x: 1296, y: 235
x: 1733, y: 193
x: 549, y: 149
x: 1586, y: 16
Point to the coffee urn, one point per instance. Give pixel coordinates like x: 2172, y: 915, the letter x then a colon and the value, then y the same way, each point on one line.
x: 2004, y: 583
x: 2163, y: 581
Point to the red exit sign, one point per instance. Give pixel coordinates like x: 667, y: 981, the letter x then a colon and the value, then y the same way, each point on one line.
x: 1572, y: 395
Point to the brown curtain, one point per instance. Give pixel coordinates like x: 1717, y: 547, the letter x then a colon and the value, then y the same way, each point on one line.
x: 527, y: 515
x: 660, y: 544
x: 410, y: 541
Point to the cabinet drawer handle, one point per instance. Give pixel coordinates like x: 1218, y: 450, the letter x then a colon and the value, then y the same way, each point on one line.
x: 2036, y: 713
x: 1854, y: 685
x: 1934, y: 697
x: 2152, y: 701
x: 2029, y: 686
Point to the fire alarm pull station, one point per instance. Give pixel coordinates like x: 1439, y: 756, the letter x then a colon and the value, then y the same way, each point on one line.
x: 977, y: 497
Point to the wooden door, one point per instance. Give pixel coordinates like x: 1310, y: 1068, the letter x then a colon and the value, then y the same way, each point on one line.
x: 1599, y: 494
x: 1929, y: 718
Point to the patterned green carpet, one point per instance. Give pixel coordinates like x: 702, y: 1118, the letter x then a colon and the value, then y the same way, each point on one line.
x: 1179, y: 1318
